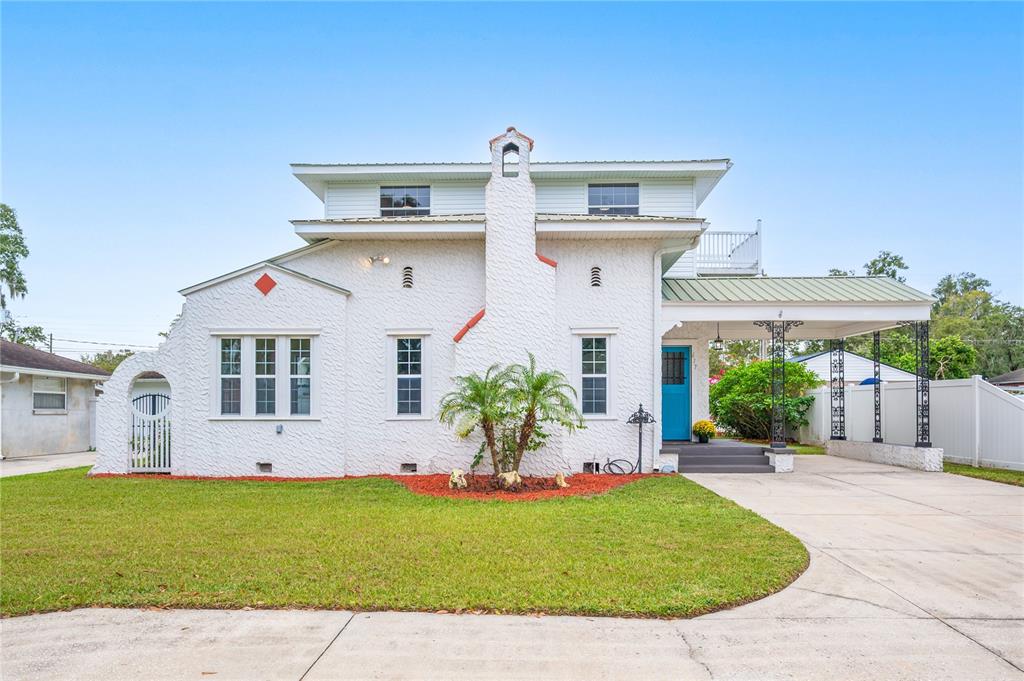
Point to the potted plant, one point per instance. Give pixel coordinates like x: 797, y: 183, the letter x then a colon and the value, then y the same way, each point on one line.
x: 704, y: 430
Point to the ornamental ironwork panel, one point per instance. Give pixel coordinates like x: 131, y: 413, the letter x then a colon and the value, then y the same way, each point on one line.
x: 777, y: 353
x: 923, y: 383
x: 876, y: 355
x: 837, y: 387
x: 673, y: 368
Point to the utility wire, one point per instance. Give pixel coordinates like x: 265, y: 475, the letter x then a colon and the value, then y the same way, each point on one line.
x: 109, y: 345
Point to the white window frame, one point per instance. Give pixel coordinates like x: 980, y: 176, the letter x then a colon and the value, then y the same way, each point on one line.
x: 406, y: 211
x: 391, y: 362
x: 611, y: 375
x: 282, y: 374
x: 221, y: 376
x: 63, y: 393
x: 590, y: 208
x: 294, y: 376
x: 276, y: 369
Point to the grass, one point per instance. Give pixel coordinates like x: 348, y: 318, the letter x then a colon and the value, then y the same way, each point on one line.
x: 798, y: 448
x: 994, y: 474
x: 658, y: 547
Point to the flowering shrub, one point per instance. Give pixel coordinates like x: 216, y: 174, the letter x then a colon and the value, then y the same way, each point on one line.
x: 704, y: 427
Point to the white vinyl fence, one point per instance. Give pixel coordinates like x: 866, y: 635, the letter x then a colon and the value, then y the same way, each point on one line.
x: 973, y: 421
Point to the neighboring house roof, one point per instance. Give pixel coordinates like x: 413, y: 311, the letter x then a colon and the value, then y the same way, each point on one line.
x: 791, y: 290
x: 812, y: 355
x: 22, y: 358
x: 150, y: 375
x: 1010, y: 378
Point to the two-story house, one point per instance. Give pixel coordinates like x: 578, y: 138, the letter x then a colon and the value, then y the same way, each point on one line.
x: 331, y: 359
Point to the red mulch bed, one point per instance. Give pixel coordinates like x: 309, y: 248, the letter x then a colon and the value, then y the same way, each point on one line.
x: 436, y: 485
x: 484, y: 486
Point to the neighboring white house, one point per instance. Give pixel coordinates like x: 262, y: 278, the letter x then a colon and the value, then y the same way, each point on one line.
x: 856, y: 368
x: 48, y: 402
x: 331, y: 359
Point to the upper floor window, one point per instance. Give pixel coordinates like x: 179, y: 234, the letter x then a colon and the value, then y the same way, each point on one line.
x: 398, y: 201
x: 613, y: 199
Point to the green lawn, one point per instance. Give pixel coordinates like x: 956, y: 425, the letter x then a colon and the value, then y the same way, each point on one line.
x: 659, y: 547
x: 798, y: 448
x: 993, y: 474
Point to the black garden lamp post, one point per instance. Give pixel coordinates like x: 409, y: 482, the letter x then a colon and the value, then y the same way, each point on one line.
x: 640, y: 417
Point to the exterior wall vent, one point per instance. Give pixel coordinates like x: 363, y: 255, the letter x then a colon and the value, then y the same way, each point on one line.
x: 407, y: 468
x: 406, y: 277
x: 265, y: 467
x: 591, y: 467
x: 595, y: 276
x: 510, y: 160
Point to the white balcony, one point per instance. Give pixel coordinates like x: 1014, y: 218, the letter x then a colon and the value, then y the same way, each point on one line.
x: 722, y: 254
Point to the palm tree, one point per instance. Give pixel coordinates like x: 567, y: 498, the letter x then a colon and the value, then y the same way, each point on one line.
x: 479, y: 402
x: 540, y: 397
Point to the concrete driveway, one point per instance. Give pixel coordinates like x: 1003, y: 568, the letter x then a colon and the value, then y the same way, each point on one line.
x: 45, y: 462
x: 912, y: 576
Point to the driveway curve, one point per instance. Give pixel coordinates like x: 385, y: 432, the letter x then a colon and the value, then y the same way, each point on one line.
x: 912, y: 576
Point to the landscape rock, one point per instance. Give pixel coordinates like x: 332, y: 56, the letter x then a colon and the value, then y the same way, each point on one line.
x: 560, y: 480
x: 457, y: 480
x: 510, y: 480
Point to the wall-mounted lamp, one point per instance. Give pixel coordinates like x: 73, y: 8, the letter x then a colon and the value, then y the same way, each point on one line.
x: 718, y: 343
x: 374, y: 259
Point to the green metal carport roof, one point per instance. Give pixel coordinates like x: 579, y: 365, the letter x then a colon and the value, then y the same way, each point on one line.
x: 790, y: 290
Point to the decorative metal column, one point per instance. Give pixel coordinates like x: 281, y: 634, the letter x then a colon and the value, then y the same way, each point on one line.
x: 876, y: 355
x: 837, y: 386
x: 924, y: 435
x: 777, y: 352
x: 640, y: 417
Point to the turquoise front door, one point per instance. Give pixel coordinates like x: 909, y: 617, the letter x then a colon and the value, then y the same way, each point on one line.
x: 675, y: 393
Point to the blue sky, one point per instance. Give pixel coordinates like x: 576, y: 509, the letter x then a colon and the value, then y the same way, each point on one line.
x: 146, y: 146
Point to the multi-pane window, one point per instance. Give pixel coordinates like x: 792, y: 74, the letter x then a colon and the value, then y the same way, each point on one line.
x: 410, y: 375
x: 49, y: 393
x: 594, y: 397
x: 299, y: 371
x: 266, y: 370
x: 398, y: 201
x: 613, y: 199
x: 230, y: 376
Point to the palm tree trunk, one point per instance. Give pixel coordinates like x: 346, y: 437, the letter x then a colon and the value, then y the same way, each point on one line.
x: 525, y: 433
x: 492, y: 446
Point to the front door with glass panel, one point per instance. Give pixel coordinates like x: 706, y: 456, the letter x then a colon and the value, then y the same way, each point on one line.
x: 675, y: 393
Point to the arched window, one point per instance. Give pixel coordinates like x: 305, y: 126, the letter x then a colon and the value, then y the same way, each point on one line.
x: 510, y: 160
x: 595, y: 276
x: 406, y: 277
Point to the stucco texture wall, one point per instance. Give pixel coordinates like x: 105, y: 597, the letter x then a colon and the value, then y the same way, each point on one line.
x: 26, y: 433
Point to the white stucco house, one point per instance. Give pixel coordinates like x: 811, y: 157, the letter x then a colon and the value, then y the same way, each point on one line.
x: 331, y: 359
x: 48, y: 402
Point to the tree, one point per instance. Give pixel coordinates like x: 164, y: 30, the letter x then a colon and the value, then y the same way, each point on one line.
x: 32, y: 336
x: 735, y: 353
x: 12, y: 251
x: 108, y: 360
x: 886, y: 264
x: 741, y: 401
x: 512, y: 407
x: 539, y: 398
x: 836, y: 272
x: 948, y: 357
x: 959, y: 285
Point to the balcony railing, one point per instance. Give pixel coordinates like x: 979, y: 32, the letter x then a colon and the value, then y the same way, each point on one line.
x: 729, y: 253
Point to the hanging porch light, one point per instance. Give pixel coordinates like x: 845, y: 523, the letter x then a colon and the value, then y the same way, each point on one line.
x: 718, y: 343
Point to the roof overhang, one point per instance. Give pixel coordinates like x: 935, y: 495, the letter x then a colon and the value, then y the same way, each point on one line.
x: 621, y: 227
x: 434, y: 228
x: 5, y: 368
x: 706, y: 172
x: 818, y: 320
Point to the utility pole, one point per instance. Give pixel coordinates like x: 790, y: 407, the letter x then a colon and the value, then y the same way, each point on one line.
x: 51, y: 343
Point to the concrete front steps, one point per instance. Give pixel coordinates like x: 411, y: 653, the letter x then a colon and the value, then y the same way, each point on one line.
x: 722, y: 457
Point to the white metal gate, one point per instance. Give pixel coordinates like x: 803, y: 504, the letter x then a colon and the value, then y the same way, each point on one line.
x: 150, y: 445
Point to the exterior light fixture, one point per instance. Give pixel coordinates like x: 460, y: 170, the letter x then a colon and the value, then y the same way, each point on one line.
x: 718, y: 343
x: 374, y: 259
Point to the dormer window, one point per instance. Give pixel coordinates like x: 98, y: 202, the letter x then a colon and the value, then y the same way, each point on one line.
x: 613, y: 199
x: 404, y: 201
x: 510, y: 160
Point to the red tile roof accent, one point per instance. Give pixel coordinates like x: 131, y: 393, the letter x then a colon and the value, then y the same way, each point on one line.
x: 511, y: 128
x: 265, y: 284
x: 546, y: 260
x: 469, y: 325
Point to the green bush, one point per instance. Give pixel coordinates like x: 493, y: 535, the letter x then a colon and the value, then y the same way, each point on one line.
x: 741, y: 400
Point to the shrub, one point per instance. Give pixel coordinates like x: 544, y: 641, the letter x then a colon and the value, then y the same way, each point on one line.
x: 741, y: 401
x: 704, y: 427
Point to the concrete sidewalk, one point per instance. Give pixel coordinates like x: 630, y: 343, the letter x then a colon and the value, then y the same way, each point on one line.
x: 913, y: 576
x: 45, y: 462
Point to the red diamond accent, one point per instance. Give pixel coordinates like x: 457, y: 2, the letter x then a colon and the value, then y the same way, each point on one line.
x: 265, y: 284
